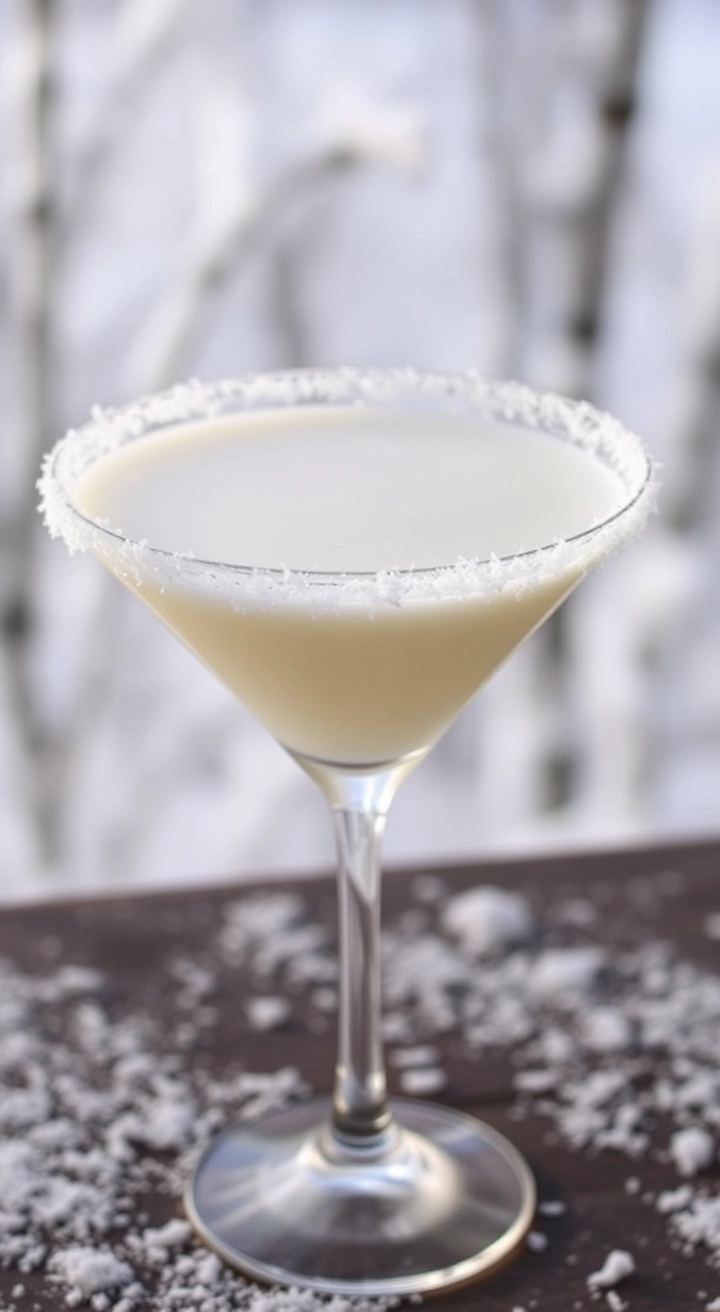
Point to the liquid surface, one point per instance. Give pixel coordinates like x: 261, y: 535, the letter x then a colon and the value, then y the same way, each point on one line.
x: 346, y: 490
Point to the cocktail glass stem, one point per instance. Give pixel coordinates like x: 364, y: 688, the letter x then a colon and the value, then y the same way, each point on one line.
x: 357, y: 1195
x: 360, y: 801
x: 360, y: 1109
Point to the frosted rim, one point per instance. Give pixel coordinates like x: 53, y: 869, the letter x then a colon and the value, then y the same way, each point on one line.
x: 577, y: 422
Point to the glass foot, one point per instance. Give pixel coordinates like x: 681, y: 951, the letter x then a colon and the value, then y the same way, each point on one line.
x: 438, y: 1200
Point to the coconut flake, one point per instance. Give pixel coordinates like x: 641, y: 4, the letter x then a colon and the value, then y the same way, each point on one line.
x: 267, y: 1013
x: 536, y: 1241
x: 673, y: 1200
x: 576, y: 422
x: 618, y: 1265
x: 90, y: 1270
x: 423, y: 1054
x: 692, y: 1150
x: 614, y: 1301
x: 487, y: 920
x: 562, y: 974
x: 606, y: 1029
x: 424, y: 1080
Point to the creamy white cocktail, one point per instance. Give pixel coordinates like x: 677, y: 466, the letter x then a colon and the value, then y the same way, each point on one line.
x: 352, y: 680
x: 354, y: 553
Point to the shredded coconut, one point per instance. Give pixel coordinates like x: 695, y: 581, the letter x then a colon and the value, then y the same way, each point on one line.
x: 423, y: 1080
x: 672, y: 1200
x: 488, y: 920
x: 90, y: 1271
x: 267, y: 1013
x: 606, y: 1029
x: 576, y: 422
x: 618, y: 1265
x: 98, y: 1105
x: 423, y: 1054
x: 692, y: 1150
x: 562, y: 973
x: 614, y: 1301
x: 537, y: 1242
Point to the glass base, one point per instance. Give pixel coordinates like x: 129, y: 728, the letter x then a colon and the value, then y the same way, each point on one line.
x: 435, y: 1201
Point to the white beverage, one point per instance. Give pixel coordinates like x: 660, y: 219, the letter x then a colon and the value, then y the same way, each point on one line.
x: 359, y: 681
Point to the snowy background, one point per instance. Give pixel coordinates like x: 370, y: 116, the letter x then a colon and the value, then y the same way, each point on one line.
x: 530, y: 187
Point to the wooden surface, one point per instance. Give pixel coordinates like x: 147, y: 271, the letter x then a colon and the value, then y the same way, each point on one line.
x: 128, y: 939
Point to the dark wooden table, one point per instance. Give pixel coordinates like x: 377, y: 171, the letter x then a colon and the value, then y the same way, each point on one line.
x: 641, y: 896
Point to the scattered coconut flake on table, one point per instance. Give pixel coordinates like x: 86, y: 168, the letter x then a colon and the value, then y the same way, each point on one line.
x: 562, y: 973
x: 422, y: 1080
x: 692, y: 1150
x: 422, y: 1054
x: 267, y: 1012
x: 614, y: 1301
x: 535, y: 1081
x: 98, y: 1107
x: 618, y: 1265
x: 90, y: 1271
x: 699, y: 1225
x: 606, y: 1029
x: 536, y: 1241
x: 672, y: 1200
x: 487, y: 920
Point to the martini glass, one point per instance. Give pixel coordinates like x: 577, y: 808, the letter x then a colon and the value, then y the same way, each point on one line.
x: 357, y: 664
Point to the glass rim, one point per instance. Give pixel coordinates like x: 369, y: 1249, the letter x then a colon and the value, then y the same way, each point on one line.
x: 505, y: 402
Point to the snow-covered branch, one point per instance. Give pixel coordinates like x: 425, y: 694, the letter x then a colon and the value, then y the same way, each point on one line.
x: 570, y: 180
x: 142, y: 32
x: 221, y: 245
x: 28, y: 59
x: 693, y: 406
